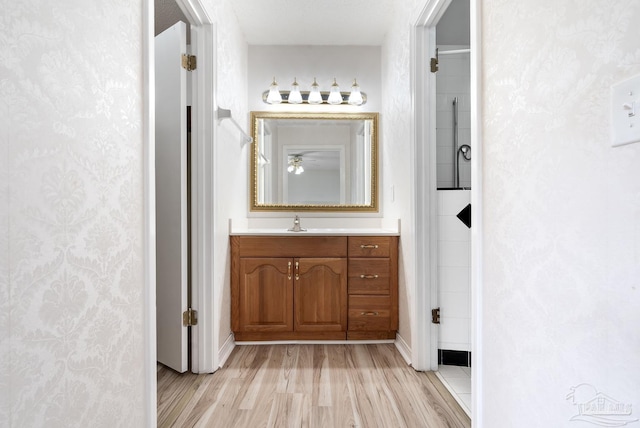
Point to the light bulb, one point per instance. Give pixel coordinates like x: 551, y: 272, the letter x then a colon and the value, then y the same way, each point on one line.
x: 291, y: 168
x: 355, y: 97
x: 274, y: 96
x: 335, y: 97
x: 314, y: 96
x: 299, y: 170
x: 294, y: 96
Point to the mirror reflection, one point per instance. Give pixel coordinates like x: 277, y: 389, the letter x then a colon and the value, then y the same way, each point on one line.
x: 314, y: 161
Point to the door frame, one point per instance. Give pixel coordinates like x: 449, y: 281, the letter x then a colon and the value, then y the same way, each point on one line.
x: 204, y: 340
x: 205, y: 335
x: 424, y: 336
x: 424, y: 340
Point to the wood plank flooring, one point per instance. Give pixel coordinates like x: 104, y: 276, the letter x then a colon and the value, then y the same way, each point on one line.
x: 328, y: 386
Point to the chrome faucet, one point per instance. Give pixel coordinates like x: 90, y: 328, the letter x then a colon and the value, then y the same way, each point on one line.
x: 296, y: 225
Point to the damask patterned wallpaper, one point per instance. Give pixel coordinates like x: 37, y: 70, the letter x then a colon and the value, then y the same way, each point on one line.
x: 71, y: 276
x: 561, y: 208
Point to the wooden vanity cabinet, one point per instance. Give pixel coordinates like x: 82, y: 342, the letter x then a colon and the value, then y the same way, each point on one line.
x: 286, y: 288
x: 373, y: 287
x: 313, y: 288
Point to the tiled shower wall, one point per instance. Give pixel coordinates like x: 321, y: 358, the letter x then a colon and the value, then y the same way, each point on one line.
x: 452, y: 80
x: 454, y: 252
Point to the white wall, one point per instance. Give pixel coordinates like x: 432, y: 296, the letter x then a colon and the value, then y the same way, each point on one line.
x: 71, y: 226
x: 396, y: 150
x: 561, y: 293
x: 230, y: 156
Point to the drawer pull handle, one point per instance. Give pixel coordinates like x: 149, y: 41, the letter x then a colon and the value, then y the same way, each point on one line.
x: 289, y: 271
x: 297, y: 271
x: 369, y: 314
x: 375, y: 246
x: 369, y: 276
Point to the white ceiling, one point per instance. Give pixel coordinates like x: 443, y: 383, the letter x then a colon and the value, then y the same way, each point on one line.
x: 314, y: 22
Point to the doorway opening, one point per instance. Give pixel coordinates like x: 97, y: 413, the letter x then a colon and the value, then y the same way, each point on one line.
x: 446, y: 135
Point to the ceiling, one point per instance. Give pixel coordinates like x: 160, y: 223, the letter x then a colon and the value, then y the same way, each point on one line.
x: 314, y: 22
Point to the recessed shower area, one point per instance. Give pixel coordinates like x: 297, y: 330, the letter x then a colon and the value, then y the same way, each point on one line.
x: 454, y: 151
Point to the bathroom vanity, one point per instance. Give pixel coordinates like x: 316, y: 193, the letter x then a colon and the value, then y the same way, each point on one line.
x: 328, y: 285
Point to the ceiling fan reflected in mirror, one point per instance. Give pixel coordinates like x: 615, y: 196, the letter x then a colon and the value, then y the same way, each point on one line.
x: 295, y: 164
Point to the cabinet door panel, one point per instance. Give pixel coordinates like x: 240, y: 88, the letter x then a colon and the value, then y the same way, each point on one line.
x: 320, y: 294
x: 266, y: 294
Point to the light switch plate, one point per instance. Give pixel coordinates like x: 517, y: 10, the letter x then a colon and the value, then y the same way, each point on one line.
x: 625, y: 112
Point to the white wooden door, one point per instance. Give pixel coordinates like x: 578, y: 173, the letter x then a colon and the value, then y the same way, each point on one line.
x: 171, y: 197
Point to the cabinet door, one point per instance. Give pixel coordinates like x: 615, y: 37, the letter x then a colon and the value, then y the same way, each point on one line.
x: 320, y: 294
x: 266, y: 294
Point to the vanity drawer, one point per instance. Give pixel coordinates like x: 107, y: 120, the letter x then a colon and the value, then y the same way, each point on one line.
x: 368, y: 276
x: 369, y: 246
x: 369, y: 313
x: 299, y: 246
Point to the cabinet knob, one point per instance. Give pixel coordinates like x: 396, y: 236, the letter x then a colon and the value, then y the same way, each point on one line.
x: 374, y: 246
x: 369, y: 314
x: 369, y: 276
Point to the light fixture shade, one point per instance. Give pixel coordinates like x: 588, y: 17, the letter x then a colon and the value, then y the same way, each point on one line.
x: 335, y: 97
x: 290, y: 168
x: 355, y: 97
x: 299, y: 170
x: 294, y: 96
x: 274, y: 96
x: 314, y: 96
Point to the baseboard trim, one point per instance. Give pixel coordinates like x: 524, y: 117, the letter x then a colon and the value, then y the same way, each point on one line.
x: 403, y: 348
x: 226, y: 350
x: 312, y: 342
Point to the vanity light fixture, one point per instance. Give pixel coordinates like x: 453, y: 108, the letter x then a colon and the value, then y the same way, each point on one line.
x: 295, y: 97
x: 274, y: 96
x: 355, y: 97
x: 334, y: 96
x: 314, y: 96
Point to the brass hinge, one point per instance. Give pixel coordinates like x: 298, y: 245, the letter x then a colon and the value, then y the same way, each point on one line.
x: 188, y: 62
x: 190, y: 318
x: 435, y: 316
x: 434, y: 65
x: 434, y: 62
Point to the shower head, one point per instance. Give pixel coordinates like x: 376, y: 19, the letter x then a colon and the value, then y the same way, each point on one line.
x: 465, y: 149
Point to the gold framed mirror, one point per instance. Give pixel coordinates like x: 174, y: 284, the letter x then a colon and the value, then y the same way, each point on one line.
x: 314, y: 162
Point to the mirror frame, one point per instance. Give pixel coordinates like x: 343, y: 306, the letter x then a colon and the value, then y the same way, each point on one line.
x: 253, y: 169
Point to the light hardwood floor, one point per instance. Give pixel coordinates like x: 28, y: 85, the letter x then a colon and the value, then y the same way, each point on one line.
x: 328, y: 386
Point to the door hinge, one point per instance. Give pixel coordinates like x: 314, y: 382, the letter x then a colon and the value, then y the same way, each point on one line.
x: 188, y: 62
x: 190, y: 317
x: 434, y: 62
x: 434, y: 65
x: 435, y: 316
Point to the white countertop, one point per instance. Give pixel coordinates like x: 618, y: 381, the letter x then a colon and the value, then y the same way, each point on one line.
x: 317, y: 232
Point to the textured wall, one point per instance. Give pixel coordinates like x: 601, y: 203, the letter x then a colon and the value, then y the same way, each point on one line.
x: 230, y: 157
x: 395, y: 152
x: 561, y: 208
x: 71, y: 277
